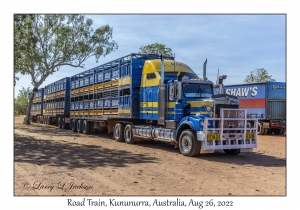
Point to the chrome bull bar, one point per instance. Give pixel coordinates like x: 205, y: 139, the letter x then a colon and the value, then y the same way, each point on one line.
x: 230, y: 131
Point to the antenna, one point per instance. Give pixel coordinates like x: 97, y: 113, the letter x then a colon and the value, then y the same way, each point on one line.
x: 217, y: 82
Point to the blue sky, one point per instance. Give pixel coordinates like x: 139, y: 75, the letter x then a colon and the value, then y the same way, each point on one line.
x: 234, y: 44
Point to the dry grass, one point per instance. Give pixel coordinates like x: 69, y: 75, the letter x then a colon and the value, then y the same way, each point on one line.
x: 18, y: 121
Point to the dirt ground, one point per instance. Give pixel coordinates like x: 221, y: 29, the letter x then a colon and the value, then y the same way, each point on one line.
x: 51, y: 161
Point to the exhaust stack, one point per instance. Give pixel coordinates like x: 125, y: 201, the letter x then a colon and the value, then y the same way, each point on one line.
x: 204, y: 69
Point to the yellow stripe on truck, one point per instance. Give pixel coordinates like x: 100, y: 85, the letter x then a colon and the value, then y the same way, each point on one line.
x: 125, y: 81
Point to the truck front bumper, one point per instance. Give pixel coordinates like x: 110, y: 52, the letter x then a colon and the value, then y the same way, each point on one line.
x: 235, y: 135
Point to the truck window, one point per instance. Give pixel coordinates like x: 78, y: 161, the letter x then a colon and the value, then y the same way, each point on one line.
x: 151, y: 76
x: 197, y: 90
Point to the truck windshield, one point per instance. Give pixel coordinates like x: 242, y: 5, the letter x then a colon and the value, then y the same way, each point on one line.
x: 173, y: 75
x: 197, y: 90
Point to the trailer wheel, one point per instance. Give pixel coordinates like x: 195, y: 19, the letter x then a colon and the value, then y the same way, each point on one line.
x: 79, y: 126
x: 260, y: 129
x: 85, y: 127
x: 188, y: 144
x: 64, y: 125
x: 282, y: 131
x: 277, y: 131
x: 49, y: 120
x: 74, y: 125
x: 92, y: 127
x: 232, y: 151
x: 119, y: 132
x: 59, y: 122
x: 268, y: 131
x: 128, y: 134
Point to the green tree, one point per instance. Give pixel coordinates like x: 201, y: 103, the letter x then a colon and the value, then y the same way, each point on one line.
x: 21, y: 101
x: 44, y: 43
x: 156, y: 49
x: 259, y: 75
x: 21, y: 46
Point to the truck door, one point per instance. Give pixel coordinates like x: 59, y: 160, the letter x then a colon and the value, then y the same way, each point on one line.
x: 149, y: 106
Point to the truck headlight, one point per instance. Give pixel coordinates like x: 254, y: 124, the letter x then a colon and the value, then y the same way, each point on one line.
x: 208, y: 108
x: 202, y: 123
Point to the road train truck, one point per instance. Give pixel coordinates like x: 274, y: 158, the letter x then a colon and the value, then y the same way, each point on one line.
x: 152, y: 97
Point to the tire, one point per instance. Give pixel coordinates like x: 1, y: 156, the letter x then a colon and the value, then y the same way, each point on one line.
x: 268, y: 130
x: 277, y: 131
x: 59, y: 122
x: 119, y: 132
x: 92, y: 127
x: 38, y: 119
x: 260, y: 129
x: 232, y: 151
x: 128, y: 134
x: 79, y: 126
x: 64, y: 125
x: 282, y: 131
x: 49, y: 120
x: 85, y: 127
x: 188, y: 144
x: 74, y: 125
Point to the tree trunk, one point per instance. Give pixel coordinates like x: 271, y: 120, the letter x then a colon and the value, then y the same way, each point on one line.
x: 27, y: 118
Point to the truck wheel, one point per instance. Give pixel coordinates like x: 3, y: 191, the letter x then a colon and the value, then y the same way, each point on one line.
x: 38, y: 119
x: 282, y: 131
x: 260, y: 129
x: 232, y: 151
x: 128, y: 134
x: 74, y: 125
x: 85, y: 127
x: 59, y: 122
x: 119, y: 132
x: 79, y: 126
x: 188, y: 144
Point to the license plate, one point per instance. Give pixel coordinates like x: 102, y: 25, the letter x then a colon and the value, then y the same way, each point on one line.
x: 247, y: 150
x: 249, y: 136
x: 213, y: 136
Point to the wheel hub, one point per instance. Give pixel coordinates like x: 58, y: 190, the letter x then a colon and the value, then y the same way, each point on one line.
x: 186, y: 143
x: 117, y: 132
x: 127, y: 134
